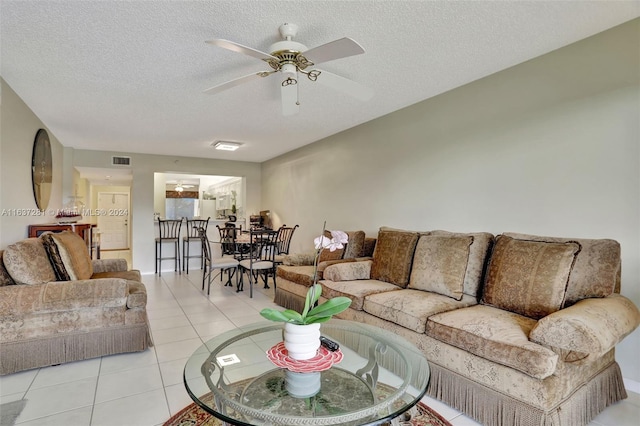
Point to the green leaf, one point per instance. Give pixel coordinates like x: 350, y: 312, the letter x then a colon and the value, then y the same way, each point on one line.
x: 313, y: 294
x: 330, y: 307
x: 282, y: 316
x: 314, y: 320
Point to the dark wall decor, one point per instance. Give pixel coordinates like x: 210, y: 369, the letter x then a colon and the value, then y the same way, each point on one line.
x: 41, y: 169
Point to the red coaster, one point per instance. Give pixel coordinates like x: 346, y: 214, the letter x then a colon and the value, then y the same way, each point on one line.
x: 279, y: 355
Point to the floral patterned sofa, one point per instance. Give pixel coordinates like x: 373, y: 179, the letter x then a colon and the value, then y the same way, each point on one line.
x: 518, y: 329
x: 57, y: 305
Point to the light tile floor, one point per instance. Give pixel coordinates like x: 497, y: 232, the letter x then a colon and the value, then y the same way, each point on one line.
x: 145, y: 389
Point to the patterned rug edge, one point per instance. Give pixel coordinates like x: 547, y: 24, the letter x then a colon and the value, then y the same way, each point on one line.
x: 194, y: 415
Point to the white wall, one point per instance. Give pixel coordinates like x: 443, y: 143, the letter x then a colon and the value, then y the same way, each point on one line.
x: 143, y: 190
x: 18, y: 129
x: 548, y: 147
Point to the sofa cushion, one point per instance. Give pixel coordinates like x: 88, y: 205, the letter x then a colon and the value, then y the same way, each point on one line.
x: 411, y: 308
x: 478, y: 255
x: 496, y: 335
x: 356, y: 291
x: 368, y: 247
x: 348, y: 271
x: 5, y: 278
x: 27, y: 262
x: 74, y: 254
x: 355, y: 246
x: 393, y: 256
x: 596, y: 272
x: 55, y: 259
x: 440, y: 264
x: 528, y: 277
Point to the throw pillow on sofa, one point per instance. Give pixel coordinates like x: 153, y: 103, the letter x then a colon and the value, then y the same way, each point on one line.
x: 528, y: 277
x: 27, y: 262
x: 440, y: 264
x: 393, y: 256
x: 51, y: 248
x: 75, y: 255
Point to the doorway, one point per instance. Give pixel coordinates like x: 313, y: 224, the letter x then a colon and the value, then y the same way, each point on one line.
x: 113, y: 220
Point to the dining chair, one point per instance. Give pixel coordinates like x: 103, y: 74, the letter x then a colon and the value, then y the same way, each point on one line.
x: 283, y: 242
x: 193, y: 225
x: 168, y: 233
x: 261, y: 259
x: 220, y: 264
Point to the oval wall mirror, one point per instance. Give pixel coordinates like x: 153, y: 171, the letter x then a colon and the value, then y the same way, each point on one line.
x: 41, y: 167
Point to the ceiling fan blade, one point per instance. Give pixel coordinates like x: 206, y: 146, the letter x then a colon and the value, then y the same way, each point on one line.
x: 336, y: 49
x: 289, y: 95
x: 233, y: 83
x: 235, y: 47
x: 345, y: 85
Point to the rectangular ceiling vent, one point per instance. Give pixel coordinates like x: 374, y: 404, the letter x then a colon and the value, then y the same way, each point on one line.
x: 121, y: 161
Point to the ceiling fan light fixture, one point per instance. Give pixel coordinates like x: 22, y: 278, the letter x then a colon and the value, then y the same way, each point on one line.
x: 179, y: 188
x: 226, y: 145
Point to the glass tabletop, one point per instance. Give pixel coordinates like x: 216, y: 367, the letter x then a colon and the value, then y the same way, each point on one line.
x: 376, y: 377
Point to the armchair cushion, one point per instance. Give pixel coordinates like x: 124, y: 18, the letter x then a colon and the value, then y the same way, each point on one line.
x: 529, y: 277
x: 27, y: 262
x: 55, y: 258
x: 440, y: 264
x: 74, y: 254
x: 591, y: 326
x: 5, y: 278
x: 393, y: 256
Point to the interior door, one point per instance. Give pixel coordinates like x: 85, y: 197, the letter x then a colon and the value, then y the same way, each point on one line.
x: 113, y: 221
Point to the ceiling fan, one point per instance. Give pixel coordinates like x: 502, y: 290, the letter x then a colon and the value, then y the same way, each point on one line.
x: 292, y: 60
x: 181, y: 187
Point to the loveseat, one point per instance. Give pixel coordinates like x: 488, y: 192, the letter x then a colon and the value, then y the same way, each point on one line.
x: 57, y: 305
x: 518, y: 329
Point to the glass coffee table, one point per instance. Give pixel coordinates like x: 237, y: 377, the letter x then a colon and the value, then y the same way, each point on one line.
x: 244, y: 377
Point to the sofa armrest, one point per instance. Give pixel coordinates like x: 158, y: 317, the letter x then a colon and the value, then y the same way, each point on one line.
x: 348, y: 271
x: 109, y: 265
x: 61, y: 296
x: 591, y: 326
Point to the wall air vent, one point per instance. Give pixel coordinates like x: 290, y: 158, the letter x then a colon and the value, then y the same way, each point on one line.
x: 121, y: 161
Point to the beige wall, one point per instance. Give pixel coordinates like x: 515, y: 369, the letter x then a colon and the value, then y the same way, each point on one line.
x: 18, y: 128
x: 548, y: 147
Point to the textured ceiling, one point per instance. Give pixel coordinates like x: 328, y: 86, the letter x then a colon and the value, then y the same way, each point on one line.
x: 129, y: 76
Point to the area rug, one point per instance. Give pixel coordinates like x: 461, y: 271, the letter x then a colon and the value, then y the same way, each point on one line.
x: 193, y: 415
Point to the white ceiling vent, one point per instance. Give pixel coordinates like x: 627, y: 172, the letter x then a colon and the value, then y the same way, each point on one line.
x: 121, y: 161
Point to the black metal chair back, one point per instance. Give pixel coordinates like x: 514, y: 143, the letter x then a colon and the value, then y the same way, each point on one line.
x: 285, y: 234
x: 261, y: 258
x: 228, y: 236
x: 227, y: 265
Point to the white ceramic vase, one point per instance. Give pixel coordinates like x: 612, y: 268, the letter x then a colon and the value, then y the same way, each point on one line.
x: 302, y: 385
x: 302, y: 341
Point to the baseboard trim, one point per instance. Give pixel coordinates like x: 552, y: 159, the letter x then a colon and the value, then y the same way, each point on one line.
x: 631, y: 385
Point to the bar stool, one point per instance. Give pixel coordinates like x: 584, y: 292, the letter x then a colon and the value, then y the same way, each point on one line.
x: 169, y: 233
x: 193, y: 235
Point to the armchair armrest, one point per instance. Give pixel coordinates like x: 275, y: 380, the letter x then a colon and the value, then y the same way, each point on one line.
x: 348, y: 271
x: 591, y: 326
x: 109, y: 265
